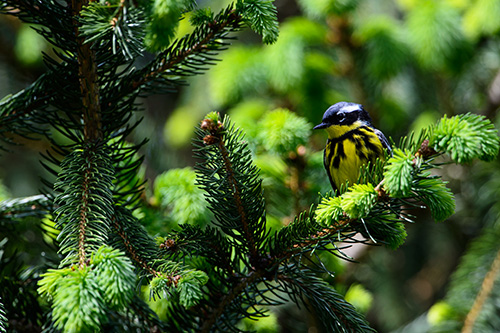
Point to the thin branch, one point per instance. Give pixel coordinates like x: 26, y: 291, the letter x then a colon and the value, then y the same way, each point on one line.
x: 131, y: 250
x: 484, y: 292
x: 237, y: 198
x: 230, y: 297
x: 118, y: 14
x: 84, y: 210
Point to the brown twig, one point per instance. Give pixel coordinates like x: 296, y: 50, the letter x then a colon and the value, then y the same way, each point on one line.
x: 89, y: 86
x: 131, y: 250
x: 253, y: 277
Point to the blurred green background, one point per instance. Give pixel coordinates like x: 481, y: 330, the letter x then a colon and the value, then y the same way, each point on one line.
x: 408, y: 62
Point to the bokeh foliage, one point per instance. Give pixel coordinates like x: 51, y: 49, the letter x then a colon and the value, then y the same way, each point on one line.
x: 408, y: 61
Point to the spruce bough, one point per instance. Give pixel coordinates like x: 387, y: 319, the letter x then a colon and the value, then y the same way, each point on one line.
x: 235, y: 267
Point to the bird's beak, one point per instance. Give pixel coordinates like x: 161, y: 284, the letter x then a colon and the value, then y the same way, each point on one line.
x: 320, y: 126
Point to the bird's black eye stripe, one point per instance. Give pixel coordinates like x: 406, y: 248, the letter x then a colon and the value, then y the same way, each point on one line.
x: 348, y: 118
x: 337, y: 117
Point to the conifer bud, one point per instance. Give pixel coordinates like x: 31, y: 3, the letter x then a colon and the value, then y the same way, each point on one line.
x: 210, y: 139
x: 206, y: 124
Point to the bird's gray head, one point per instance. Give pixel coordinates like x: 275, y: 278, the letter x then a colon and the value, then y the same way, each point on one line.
x: 344, y: 113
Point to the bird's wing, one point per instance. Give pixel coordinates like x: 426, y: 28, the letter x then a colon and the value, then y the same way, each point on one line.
x: 383, y: 139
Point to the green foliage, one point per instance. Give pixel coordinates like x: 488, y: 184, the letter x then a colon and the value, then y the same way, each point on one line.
x: 201, y: 15
x: 261, y: 15
x: 263, y: 325
x: 247, y: 114
x: 385, y: 227
x: 77, y: 303
x: 284, y: 66
x: 178, y: 194
x: 189, y: 288
x: 398, y: 173
x: 81, y: 295
x: 387, y: 51
x: 358, y: 200
x: 439, y: 313
x: 466, y: 137
x: 100, y: 64
x: 334, y: 313
x: 435, y: 34
x: 179, y: 284
x: 104, y: 23
x: 322, y: 8
x: 230, y: 85
x: 165, y: 15
x: 262, y: 249
x: 282, y: 131
x: 214, y: 117
x: 116, y: 276
x: 241, y: 188
x: 329, y: 210
x: 479, y: 19
x: 86, y: 201
x: 434, y: 193
x: 286, y: 60
x: 179, y: 128
x: 343, y: 6
x: 359, y: 297
x: 29, y: 46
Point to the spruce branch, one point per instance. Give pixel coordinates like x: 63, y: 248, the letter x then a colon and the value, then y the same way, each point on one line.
x: 133, y: 239
x: 376, y: 211
x: 466, y: 137
x: 334, y: 313
x: 209, y: 243
x: 51, y: 16
x: 81, y: 297
x: 84, y: 212
x: 261, y: 15
x: 21, y: 113
x: 18, y: 208
x: 144, y: 253
x: 228, y: 176
x: 216, y: 314
x: 231, y: 194
x: 119, y: 24
x: 188, y: 55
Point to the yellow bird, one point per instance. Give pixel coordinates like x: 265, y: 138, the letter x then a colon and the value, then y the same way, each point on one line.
x: 352, y: 142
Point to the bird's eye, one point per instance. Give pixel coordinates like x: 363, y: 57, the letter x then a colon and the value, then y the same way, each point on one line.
x: 341, y: 116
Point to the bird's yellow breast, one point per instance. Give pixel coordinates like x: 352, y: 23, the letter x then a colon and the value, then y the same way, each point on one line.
x: 348, y: 148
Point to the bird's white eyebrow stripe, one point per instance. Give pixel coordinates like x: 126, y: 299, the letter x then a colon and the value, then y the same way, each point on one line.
x: 350, y: 108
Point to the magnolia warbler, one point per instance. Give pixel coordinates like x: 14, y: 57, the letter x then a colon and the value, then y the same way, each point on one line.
x: 352, y: 142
